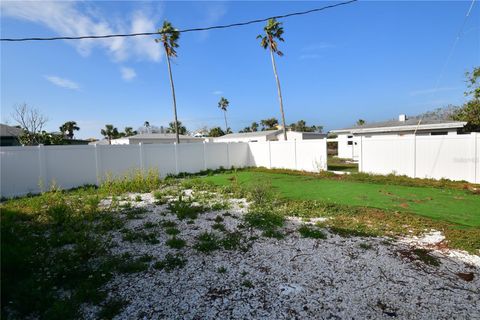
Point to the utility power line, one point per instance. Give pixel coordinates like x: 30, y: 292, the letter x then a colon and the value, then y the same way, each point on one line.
x: 449, y: 57
x: 225, y: 26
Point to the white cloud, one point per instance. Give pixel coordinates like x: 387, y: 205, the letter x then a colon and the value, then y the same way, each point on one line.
x: 217, y: 92
x: 63, y: 82
x: 430, y: 91
x: 128, y: 73
x: 66, y: 18
x: 309, y: 56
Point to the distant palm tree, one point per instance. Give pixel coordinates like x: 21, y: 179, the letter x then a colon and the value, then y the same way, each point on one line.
x: 223, y: 104
x: 68, y: 129
x: 360, y: 122
x: 169, y: 38
x: 274, y: 31
x: 254, y: 127
x: 129, y: 132
x: 110, y: 132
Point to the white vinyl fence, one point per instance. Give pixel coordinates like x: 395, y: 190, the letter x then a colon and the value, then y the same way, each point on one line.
x: 26, y: 169
x: 454, y: 157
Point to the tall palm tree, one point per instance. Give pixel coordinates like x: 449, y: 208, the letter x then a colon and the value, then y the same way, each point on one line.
x: 68, y: 129
x: 169, y: 38
x: 274, y: 31
x: 223, y: 104
x: 110, y: 132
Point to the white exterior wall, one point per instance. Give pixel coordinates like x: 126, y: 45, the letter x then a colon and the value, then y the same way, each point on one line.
x: 454, y: 157
x: 345, y: 150
x: 33, y: 169
x: 242, y: 139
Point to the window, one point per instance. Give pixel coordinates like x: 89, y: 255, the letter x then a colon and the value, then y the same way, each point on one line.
x: 350, y: 137
x: 350, y: 143
x: 439, y: 133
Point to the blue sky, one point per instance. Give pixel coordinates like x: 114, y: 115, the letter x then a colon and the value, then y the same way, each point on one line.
x: 369, y: 60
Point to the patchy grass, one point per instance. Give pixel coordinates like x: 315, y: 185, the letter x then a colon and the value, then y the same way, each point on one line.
x: 139, y: 236
x: 171, y: 262
x: 176, y: 243
x: 310, y: 232
x: 207, y: 242
x: 456, y: 206
x: 339, y: 164
x: 185, y: 209
x: 267, y: 221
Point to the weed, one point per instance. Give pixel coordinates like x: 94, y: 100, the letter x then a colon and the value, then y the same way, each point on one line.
x: 171, y: 262
x: 207, y: 242
x: 176, y: 243
x: 184, y: 209
x: 232, y: 241
x: 347, y: 232
x: 172, y: 231
x: 134, y: 213
x: 132, y: 266
x: 219, y: 226
x: 138, y: 198
x: 218, y: 219
x: 365, y: 246
x: 247, y: 284
x: 139, y: 236
x: 267, y: 221
x: 310, y: 232
x: 425, y: 256
x: 111, y: 308
x: 149, y: 225
x: 169, y: 224
x: 222, y: 270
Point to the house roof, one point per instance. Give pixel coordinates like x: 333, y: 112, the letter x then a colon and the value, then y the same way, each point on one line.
x: 156, y: 136
x: 407, y: 125
x: 9, y: 131
x: 255, y: 134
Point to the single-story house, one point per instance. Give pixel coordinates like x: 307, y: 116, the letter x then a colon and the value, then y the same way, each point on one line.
x: 348, y: 138
x: 151, y: 138
x: 9, y: 135
x: 268, y: 135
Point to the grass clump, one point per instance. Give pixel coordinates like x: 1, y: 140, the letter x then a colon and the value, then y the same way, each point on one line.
x: 171, y: 262
x: 185, y: 209
x: 139, y: 236
x: 425, y: 256
x: 176, y: 243
x: 219, y: 226
x: 365, y: 246
x: 134, y: 213
x: 111, y: 308
x: 222, y: 270
x: 135, y: 181
x: 310, y: 232
x: 267, y: 221
x: 207, y: 242
x: 172, y: 231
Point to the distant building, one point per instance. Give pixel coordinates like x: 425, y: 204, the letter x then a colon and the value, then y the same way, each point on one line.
x: 348, y: 138
x: 9, y: 135
x: 268, y: 135
x: 151, y: 138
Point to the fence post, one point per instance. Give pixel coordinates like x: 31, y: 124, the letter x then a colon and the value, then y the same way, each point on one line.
x: 295, y: 152
x: 269, y: 155
x: 360, y: 161
x: 205, y: 155
x: 97, y: 165
x: 476, y: 159
x: 42, y: 169
x: 142, y: 160
x: 176, y: 157
x: 228, y: 156
x: 414, y: 155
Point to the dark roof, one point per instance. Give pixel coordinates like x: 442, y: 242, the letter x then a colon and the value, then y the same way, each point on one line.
x: 250, y: 134
x: 167, y: 136
x: 9, y: 131
x: 406, y: 125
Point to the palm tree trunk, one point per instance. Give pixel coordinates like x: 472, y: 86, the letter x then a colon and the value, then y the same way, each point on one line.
x: 279, y: 94
x: 174, y: 100
x: 226, y: 125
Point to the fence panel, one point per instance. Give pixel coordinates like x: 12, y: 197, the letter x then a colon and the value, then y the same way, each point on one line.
x: 238, y: 154
x: 160, y: 157
x: 283, y: 155
x: 216, y: 155
x: 259, y: 154
x: 69, y: 167
x: 118, y: 160
x: 311, y: 155
x: 20, y: 171
x: 190, y: 157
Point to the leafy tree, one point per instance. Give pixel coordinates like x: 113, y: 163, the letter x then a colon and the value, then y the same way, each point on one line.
x: 223, y: 104
x: 129, y: 132
x: 169, y: 38
x: 301, y: 126
x: 216, y: 132
x: 110, y: 132
x: 470, y: 111
x: 274, y: 31
x: 269, y: 124
x: 360, y: 122
x: 172, y: 127
x: 68, y: 129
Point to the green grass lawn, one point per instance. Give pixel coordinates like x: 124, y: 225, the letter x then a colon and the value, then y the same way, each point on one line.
x: 339, y: 164
x: 451, y: 205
